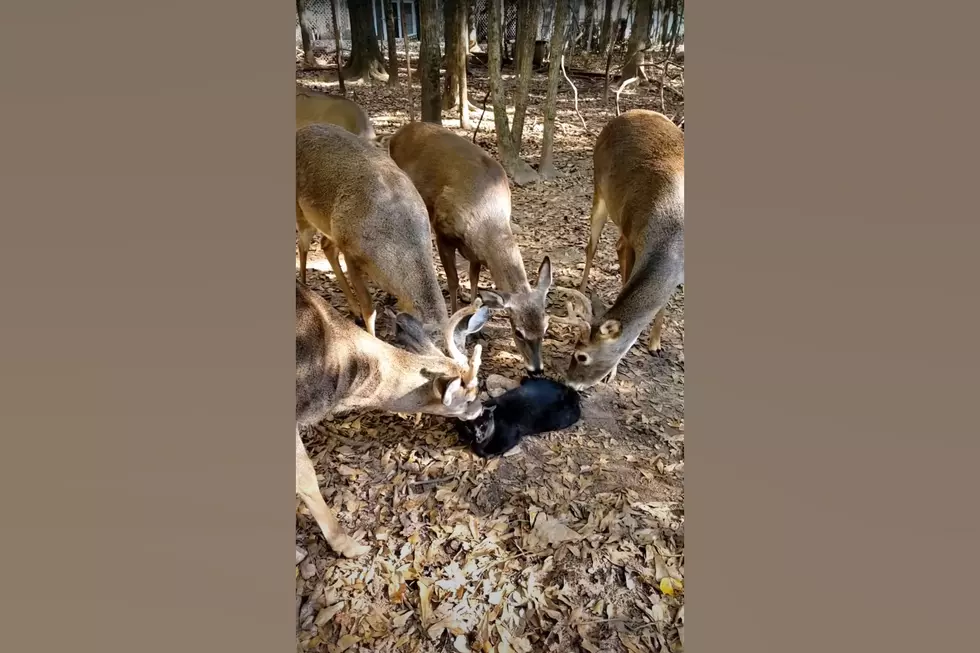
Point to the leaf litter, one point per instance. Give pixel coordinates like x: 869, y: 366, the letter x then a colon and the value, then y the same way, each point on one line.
x: 576, y: 542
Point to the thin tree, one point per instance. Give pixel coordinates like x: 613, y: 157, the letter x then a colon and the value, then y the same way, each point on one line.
x: 457, y: 52
x: 392, y: 53
x: 365, y: 62
x: 606, y: 34
x: 639, y: 41
x: 519, y: 171
x: 530, y: 17
x: 408, y: 67
x: 340, y: 45
x: 305, y: 33
x: 450, y: 85
x: 610, y: 47
x: 590, y: 7
x: 429, y: 60
x: 559, y: 29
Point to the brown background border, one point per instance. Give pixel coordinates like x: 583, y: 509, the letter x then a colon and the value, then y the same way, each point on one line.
x: 146, y: 357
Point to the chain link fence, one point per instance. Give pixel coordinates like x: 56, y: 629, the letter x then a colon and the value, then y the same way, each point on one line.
x: 321, y: 21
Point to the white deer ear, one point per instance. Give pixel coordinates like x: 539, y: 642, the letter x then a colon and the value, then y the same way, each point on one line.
x: 447, y: 390
x: 610, y: 329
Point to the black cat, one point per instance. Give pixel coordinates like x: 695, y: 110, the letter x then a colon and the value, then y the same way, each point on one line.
x: 538, y: 405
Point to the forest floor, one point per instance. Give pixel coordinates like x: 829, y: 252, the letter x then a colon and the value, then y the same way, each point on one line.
x: 574, y: 543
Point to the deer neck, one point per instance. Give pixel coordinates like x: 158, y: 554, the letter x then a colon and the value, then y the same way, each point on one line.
x: 648, y: 289
x: 503, y: 257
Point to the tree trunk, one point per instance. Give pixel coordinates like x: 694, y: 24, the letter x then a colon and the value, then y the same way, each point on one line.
x: 429, y: 60
x: 392, y: 53
x: 559, y: 28
x: 450, y: 85
x: 590, y: 6
x: 462, y: 51
x: 639, y: 43
x: 574, y: 28
x: 607, y: 26
x: 528, y: 21
x: 365, y: 61
x: 408, y: 69
x: 610, y: 48
x: 519, y: 171
x: 339, y: 44
x: 306, y: 34
x: 665, y: 21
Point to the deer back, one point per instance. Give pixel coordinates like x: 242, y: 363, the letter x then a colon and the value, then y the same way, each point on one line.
x: 313, y: 107
x: 356, y: 195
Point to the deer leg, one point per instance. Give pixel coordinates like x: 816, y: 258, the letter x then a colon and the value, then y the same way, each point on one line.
x: 306, y: 233
x: 368, y: 311
x: 597, y: 221
x: 654, y: 344
x: 474, y: 280
x: 309, y: 493
x: 627, y: 257
x: 333, y: 255
x: 447, y: 254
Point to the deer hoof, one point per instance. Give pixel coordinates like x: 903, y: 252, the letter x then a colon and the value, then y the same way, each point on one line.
x: 349, y: 547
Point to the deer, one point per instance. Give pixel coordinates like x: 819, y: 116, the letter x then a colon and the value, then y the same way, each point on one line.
x: 467, y: 196
x: 313, y: 107
x: 340, y: 367
x: 367, y: 209
x: 638, y: 182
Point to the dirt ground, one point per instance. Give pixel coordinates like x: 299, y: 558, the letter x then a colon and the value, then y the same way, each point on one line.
x: 574, y: 543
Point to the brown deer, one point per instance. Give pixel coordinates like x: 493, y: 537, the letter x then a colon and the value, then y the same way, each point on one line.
x: 639, y: 183
x: 468, y: 199
x: 314, y: 107
x: 368, y: 210
x: 340, y: 367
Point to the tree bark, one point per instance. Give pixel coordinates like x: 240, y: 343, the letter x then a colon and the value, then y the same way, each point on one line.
x: 610, y: 48
x: 559, y: 30
x: 339, y: 44
x: 306, y: 34
x: 530, y: 16
x: 665, y: 21
x: 408, y: 69
x: 450, y: 85
x: 429, y: 60
x: 590, y: 6
x: 519, y: 171
x: 365, y: 62
x: 639, y: 38
x: 392, y: 52
x: 607, y: 26
x: 462, y: 51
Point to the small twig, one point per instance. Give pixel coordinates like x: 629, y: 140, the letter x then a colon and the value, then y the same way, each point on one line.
x: 508, y: 559
x: 432, y: 481
x: 574, y: 91
x: 621, y: 88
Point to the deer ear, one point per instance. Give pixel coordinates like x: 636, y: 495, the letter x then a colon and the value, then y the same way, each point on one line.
x: 544, y: 275
x: 478, y: 320
x: 495, y: 300
x: 610, y: 329
x: 446, y: 388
